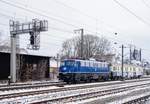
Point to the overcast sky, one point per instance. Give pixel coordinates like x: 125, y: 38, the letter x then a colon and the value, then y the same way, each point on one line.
x: 97, y: 17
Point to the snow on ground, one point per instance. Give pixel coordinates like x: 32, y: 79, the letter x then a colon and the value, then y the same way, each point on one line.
x: 133, y: 94
x: 54, y: 95
x: 27, y: 90
x: 148, y: 101
x: 54, y: 87
x: 104, y: 83
x: 112, y: 98
x: 145, y: 91
x: 42, y: 88
x: 31, y: 82
x: 56, y: 81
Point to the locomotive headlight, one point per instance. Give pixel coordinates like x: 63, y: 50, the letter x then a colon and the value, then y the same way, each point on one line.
x: 64, y: 68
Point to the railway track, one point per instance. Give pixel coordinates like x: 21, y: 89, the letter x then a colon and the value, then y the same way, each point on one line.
x: 92, y: 91
x: 139, y: 99
x: 29, y: 86
x: 61, y: 84
x: 72, y: 87
x: 89, y: 95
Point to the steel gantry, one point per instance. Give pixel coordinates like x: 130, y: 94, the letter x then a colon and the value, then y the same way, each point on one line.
x: 32, y: 28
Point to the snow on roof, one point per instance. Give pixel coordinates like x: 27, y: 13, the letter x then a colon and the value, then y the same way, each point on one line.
x: 7, y: 49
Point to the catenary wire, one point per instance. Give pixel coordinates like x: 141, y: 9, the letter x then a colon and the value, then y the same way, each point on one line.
x: 131, y: 12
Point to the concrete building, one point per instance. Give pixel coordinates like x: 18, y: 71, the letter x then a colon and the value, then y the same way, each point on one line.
x: 29, y: 67
x: 54, y: 69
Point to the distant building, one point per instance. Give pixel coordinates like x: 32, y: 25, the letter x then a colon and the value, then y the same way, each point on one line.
x: 53, y: 69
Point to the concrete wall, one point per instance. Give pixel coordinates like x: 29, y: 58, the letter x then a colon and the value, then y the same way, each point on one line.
x: 54, y: 69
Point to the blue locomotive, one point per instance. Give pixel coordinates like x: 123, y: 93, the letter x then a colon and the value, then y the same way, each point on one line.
x: 75, y: 70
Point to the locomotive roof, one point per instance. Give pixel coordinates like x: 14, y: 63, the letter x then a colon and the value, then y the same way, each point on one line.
x: 84, y: 60
x: 129, y: 65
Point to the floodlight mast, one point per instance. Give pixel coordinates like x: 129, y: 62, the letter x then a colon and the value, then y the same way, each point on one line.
x: 33, y: 28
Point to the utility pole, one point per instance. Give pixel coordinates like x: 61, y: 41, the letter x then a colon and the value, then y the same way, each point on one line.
x: 57, y: 58
x: 13, y: 59
x: 122, y: 62
x: 130, y: 54
x: 82, y: 41
x: 140, y: 55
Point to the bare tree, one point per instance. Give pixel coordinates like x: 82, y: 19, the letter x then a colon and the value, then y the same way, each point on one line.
x: 92, y: 46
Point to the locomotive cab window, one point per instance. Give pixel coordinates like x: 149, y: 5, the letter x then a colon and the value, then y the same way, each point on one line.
x: 62, y: 63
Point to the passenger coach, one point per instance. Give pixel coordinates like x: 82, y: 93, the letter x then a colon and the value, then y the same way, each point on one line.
x: 129, y: 71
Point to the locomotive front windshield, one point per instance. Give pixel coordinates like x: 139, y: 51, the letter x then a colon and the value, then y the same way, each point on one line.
x: 62, y: 63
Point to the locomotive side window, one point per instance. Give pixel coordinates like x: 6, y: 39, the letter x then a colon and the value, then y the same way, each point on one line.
x: 105, y: 65
x: 82, y: 63
x: 62, y: 63
x: 87, y: 64
x: 101, y: 65
x: 91, y: 64
x: 98, y: 64
x: 94, y: 64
